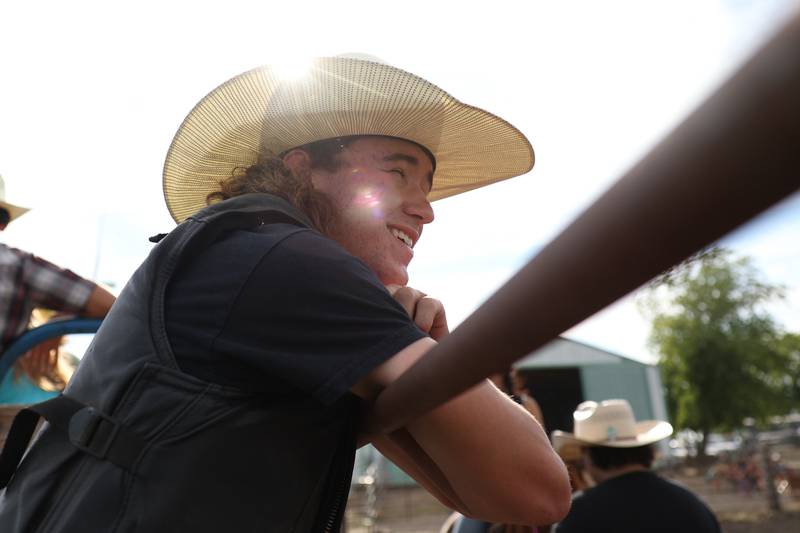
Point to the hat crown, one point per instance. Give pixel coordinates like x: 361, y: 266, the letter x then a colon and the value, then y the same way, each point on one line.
x: 607, y: 421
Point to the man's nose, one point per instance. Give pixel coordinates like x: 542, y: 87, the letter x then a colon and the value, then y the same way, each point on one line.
x: 419, y: 207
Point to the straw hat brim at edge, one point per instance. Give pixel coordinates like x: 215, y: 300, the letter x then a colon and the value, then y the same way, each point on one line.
x: 14, y: 211
x: 260, y: 111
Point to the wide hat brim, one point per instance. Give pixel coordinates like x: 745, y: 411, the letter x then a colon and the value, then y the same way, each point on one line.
x: 260, y: 111
x: 14, y: 211
x: 647, y: 432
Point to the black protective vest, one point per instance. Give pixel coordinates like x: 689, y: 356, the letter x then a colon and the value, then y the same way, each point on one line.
x: 176, y: 453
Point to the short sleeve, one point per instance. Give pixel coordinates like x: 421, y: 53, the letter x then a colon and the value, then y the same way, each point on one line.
x: 316, y: 317
x: 53, y: 287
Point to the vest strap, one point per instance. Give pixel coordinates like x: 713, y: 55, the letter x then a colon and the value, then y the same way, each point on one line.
x: 88, y: 429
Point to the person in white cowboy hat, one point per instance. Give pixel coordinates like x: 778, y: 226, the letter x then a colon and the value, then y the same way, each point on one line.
x: 233, y: 372
x: 628, y: 495
x: 28, y: 282
x: 9, y: 211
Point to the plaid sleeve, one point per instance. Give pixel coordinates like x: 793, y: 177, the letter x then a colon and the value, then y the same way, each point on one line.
x: 53, y: 287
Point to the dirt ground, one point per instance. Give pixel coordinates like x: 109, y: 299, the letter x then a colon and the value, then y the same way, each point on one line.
x: 412, y: 510
x: 785, y: 522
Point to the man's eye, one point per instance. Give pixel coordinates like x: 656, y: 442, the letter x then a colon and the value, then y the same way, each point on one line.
x: 399, y: 171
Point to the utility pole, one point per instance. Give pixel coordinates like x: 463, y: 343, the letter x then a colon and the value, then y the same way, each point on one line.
x: 771, y: 491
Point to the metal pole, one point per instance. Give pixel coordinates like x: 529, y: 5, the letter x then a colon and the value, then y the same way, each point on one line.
x: 773, y: 500
x: 735, y: 156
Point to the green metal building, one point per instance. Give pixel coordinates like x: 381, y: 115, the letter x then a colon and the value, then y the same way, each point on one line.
x: 565, y: 373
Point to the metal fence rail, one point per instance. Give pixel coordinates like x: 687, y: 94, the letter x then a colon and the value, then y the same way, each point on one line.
x: 735, y: 156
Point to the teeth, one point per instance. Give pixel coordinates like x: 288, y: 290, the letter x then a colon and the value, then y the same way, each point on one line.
x: 403, y: 237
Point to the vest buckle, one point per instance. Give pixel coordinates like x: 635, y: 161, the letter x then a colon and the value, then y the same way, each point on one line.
x: 92, y: 431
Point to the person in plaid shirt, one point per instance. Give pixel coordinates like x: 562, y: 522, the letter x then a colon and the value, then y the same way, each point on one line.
x: 28, y: 282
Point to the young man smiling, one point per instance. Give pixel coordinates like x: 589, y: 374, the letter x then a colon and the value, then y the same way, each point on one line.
x: 234, y: 371
x: 380, y: 194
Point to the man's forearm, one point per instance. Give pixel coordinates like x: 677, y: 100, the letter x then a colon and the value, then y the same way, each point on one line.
x: 401, y: 448
x: 496, y: 457
x: 99, y: 303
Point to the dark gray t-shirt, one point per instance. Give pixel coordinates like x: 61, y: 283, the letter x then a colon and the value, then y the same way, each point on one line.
x: 638, y: 502
x: 283, y: 309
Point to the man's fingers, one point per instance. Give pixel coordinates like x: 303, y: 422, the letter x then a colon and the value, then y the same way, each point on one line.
x: 431, y: 318
x: 428, y: 313
x: 408, y: 298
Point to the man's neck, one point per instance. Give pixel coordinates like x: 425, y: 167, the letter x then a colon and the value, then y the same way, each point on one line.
x: 604, y: 475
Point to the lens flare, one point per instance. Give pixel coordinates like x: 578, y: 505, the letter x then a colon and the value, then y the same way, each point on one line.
x: 368, y: 199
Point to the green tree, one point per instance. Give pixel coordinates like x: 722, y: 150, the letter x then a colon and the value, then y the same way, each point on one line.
x: 721, y: 359
x: 790, y: 349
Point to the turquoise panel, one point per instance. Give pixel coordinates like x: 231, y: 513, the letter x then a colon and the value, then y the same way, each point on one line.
x: 626, y: 380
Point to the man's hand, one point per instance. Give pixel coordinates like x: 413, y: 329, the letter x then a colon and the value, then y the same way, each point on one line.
x: 42, y: 359
x: 427, y: 313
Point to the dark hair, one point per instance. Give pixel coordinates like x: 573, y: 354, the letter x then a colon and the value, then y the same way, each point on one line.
x: 271, y: 175
x: 324, y: 154
x: 606, y: 458
x: 5, y: 216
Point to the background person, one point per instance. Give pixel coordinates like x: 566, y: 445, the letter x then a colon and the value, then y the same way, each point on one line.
x: 28, y: 282
x: 628, y: 495
x: 579, y: 478
x: 519, y: 388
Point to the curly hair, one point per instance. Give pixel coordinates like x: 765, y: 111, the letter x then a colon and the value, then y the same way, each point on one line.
x: 270, y: 175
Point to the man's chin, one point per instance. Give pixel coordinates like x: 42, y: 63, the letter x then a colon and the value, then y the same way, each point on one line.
x: 395, y: 277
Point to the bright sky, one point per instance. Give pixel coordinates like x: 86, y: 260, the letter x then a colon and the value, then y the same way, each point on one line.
x: 91, y: 94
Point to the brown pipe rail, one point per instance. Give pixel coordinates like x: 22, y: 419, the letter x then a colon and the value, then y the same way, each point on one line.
x: 735, y: 156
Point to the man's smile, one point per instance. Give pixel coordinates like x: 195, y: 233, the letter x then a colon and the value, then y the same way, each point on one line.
x: 402, y: 236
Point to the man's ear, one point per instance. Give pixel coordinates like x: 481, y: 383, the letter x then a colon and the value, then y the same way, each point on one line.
x: 3, y: 227
x: 298, y: 161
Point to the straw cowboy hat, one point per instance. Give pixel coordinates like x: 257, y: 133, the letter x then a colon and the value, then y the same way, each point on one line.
x: 610, y: 423
x: 265, y: 111
x: 14, y: 210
